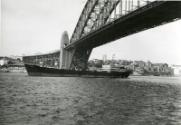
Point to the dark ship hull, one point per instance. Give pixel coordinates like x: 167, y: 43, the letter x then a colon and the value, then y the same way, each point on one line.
x: 34, y: 70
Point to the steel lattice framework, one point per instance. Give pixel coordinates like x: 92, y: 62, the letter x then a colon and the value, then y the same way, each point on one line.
x: 97, y: 13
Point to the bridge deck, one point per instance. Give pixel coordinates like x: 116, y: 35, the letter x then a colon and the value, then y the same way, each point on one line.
x: 149, y: 16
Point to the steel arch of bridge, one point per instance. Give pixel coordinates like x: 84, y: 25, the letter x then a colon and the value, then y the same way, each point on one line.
x: 97, y: 13
x: 102, y: 21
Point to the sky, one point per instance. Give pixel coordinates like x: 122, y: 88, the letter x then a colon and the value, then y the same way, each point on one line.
x: 35, y: 26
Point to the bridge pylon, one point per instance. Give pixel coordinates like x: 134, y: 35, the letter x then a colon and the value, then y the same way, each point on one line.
x: 64, y: 53
x: 74, y: 58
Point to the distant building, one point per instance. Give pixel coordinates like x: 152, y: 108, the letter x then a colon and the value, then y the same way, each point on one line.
x: 3, y: 61
x: 104, y: 58
x: 176, y: 70
x: 110, y: 68
x: 95, y: 63
x: 139, y: 63
x: 138, y: 67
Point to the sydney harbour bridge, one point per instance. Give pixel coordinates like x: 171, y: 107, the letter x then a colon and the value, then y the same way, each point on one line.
x: 103, y: 21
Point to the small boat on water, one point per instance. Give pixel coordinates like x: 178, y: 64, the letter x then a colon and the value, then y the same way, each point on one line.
x: 35, y: 70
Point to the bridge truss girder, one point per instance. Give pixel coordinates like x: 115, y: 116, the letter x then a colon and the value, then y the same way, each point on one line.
x: 94, y: 15
x: 97, y: 13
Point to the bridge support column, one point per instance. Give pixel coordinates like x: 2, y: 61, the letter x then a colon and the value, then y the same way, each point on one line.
x: 64, y: 54
x: 80, y: 58
x: 75, y: 58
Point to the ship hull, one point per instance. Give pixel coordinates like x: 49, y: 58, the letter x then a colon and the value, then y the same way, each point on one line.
x: 34, y: 70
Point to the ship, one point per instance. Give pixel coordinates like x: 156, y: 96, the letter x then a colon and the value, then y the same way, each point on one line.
x: 36, y: 70
x: 53, y: 64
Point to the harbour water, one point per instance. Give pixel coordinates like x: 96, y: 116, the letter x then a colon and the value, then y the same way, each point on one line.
x: 138, y: 100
